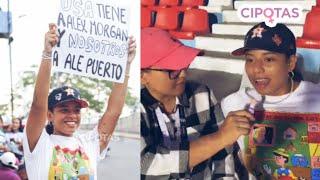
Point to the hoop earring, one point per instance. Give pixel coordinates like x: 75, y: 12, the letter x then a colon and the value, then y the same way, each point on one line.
x: 291, y: 74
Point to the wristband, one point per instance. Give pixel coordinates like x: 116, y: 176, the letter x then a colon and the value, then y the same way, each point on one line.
x: 46, y: 55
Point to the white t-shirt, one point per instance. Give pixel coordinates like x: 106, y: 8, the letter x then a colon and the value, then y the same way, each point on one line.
x: 305, y: 99
x: 79, y: 153
x: 17, y: 136
x: 14, y: 146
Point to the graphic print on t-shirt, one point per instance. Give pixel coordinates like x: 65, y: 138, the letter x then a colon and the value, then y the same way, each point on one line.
x: 284, y: 145
x: 69, y: 164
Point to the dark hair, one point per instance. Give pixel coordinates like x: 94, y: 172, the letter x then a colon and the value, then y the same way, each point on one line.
x: 277, y: 154
x: 144, y: 71
x: 22, y: 167
x: 50, y: 109
x: 268, y: 135
x: 49, y: 128
x: 20, y: 129
x: 297, y: 74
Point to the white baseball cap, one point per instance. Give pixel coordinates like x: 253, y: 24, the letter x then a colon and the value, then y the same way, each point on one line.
x: 9, y: 159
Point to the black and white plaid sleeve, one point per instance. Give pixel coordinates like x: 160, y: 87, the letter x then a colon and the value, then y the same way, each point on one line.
x: 157, y: 161
x: 205, y: 117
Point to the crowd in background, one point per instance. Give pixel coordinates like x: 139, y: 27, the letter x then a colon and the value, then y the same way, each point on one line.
x: 11, y: 151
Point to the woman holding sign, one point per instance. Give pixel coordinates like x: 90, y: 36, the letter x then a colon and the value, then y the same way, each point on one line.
x: 57, y: 153
x: 277, y: 94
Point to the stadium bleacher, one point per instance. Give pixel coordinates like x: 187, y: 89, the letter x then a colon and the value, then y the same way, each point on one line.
x: 227, y: 33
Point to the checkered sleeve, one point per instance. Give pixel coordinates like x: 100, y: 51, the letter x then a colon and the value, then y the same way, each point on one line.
x: 204, y: 116
x: 157, y: 161
x: 223, y: 161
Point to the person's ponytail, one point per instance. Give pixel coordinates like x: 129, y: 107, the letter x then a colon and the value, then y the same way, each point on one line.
x: 49, y: 128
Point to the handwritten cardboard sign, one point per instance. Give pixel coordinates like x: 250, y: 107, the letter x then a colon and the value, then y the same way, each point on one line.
x: 93, y: 39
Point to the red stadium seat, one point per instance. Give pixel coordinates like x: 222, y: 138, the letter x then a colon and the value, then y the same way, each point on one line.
x: 183, y: 8
x: 169, y: 2
x: 167, y: 18
x: 193, y: 2
x: 195, y: 20
x: 311, y: 31
x: 148, y: 2
x: 156, y: 8
x: 146, y: 17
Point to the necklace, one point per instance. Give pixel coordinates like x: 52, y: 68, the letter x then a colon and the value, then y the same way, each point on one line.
x: 263, y: 98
